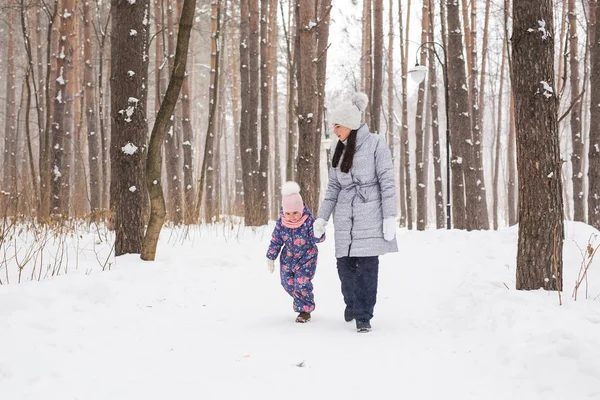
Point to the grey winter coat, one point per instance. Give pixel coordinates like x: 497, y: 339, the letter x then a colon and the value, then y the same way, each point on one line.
x: 362, y: 198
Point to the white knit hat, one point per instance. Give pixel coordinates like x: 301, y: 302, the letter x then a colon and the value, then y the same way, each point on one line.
x: 349, y: 114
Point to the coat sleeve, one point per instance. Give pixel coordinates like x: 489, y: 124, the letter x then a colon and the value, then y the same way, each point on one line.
x: 276, y: 242
x: 331, y: 196
x: 384, y: 168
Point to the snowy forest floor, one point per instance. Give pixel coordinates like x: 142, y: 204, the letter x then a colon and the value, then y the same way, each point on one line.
x: 208, y: 321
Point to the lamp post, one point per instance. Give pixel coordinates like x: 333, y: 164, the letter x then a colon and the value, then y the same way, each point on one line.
x: 417, y: 73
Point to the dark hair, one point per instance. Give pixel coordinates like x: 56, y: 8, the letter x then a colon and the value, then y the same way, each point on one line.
x: 348, y: 154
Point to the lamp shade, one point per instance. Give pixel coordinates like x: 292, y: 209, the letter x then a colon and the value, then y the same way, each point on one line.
x: 417, y: 73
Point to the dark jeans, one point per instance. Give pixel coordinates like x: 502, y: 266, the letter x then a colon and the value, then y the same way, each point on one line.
x: 359, y: 284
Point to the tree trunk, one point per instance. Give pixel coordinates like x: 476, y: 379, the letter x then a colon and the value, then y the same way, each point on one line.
x: 207, y: 173
x: 46, y: 140
x: 406, y: 218
x: 377, y: 89
x: 460, y: 125
x: 273, y: 48
x: 91, y: 110
x: 594, y: 133
x: 248, y: 127
x: 235, y: 90
x: 80, y: 203
x: 129, y: 53
x: 188, y: 144
x: 292, y: 120
x: 159, y: 131
x: 30, y: 74
x: 440, y: 212
x: 539, y: 253
x: 367, y: 55
x: 498, y: 152
x: 562, y: 43
x: 484, y: 56
x: 511, y: 161
x: 62, y: 124
x: 172, y: 148
x: 480, y: 193
x: 265, y: 86
x: 9, y: 182
x: 391, y: 122
x: 419, y: 131
x: 576, y: 132
x: 308, y: 103
x: 104, y: 137
x: 322, y: 50
x: 511, y: 156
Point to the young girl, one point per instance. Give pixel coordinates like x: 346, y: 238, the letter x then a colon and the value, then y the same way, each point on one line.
x: 298, y: 261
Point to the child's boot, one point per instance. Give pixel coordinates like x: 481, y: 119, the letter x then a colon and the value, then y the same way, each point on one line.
x: 303, y: 317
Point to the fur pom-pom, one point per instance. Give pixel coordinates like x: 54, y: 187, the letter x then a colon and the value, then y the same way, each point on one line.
x: 360, y: 100
x: 289, y: 188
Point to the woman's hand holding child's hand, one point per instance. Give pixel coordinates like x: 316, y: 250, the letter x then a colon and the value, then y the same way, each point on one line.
x: 319, y: 227
x: 271, y: 265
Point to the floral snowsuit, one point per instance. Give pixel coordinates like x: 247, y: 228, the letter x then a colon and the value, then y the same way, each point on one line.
x: 298, y: 260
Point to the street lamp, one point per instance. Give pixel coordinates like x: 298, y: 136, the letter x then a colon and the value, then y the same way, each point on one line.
x: 417, y: 73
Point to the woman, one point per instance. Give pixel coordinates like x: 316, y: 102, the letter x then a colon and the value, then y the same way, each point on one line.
x: 362, y: 191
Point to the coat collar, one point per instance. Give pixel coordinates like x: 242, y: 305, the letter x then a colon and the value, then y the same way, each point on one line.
x: 362, y: 135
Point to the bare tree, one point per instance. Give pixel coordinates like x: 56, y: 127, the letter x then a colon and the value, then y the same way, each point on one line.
x: 235, y: 103
x: 91, y: 112
x: 62, y: 124
x: 391, y: 120
x: 308, y: 102
x: 460, y: 123
x: 173, y: 139
x: 102, y: 34
x: 511, y: 156
x: 406, y: 210
x: 440, y: 213
x: 129, y: 80
x: 496, y: 172
x: 265, y: 103
x: 420, y: 132
x: 207, y: 173
x: 539, y: 253
x: 377, y: 89
x: 154, y: 162
x: 576, y: 131
x: 187, y: 145
x: 9, y: 181
x: 594, y: 130
x: 274, y: 54
x: 292, y: 120
x: 46, y: 140
x: 30, y: 75
x: 366, y: 73
x: 479, y: 189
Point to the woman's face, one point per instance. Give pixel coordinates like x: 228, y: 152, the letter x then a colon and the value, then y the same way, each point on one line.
x: 293, y: 216
x: 341, y: 132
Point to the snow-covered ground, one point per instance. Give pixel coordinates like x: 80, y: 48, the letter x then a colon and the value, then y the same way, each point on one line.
x: 207, y: 321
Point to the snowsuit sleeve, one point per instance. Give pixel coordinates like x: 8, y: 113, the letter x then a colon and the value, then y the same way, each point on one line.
x: 331, y: 195
x: 276, y: 242
x: 384, y: 169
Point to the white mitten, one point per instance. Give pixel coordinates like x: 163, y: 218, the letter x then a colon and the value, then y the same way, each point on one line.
x: 319, y: 227
x: 389, y: 228
x: 271, y: 265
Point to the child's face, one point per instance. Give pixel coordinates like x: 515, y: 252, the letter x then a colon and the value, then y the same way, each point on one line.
x: 292, y: 216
